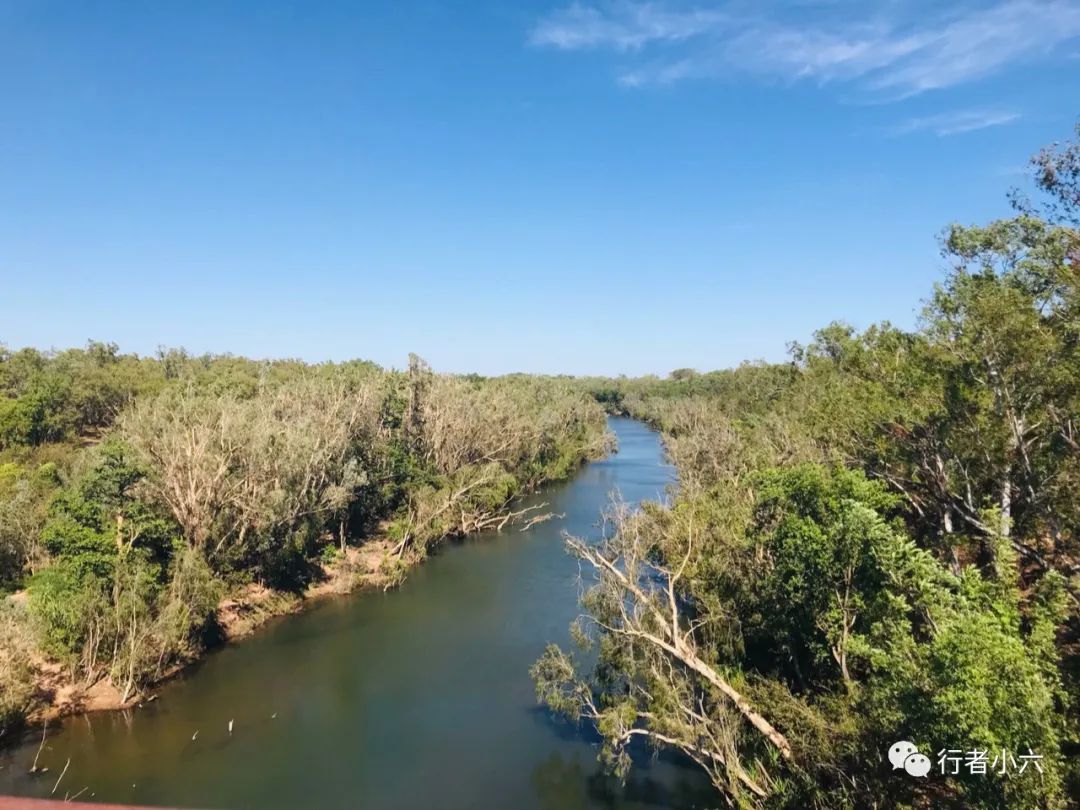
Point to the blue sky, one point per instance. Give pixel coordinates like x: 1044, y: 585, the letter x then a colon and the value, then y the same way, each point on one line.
x: 594, y: 187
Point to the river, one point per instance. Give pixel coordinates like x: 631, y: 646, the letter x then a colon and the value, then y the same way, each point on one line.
x: 415, y: 698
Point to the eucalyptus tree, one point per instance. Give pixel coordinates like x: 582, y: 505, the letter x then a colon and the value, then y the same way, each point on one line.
x: 877, y: 541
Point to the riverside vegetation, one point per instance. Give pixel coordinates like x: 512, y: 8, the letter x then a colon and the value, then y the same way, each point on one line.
x: 875, y: 542
x: 136, y: 493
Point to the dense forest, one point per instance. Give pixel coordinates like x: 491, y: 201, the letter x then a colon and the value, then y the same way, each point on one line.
x: 136, y: 493
x: 876, y: 542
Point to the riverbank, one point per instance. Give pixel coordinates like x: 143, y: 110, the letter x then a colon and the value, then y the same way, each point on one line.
x: 350, y: 699
x: 373, y: 565
x: 237, y: 616
x: 126, y: 527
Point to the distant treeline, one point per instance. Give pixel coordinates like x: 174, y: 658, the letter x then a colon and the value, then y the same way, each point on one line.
x: 876, y: 542
x: 135, y: 492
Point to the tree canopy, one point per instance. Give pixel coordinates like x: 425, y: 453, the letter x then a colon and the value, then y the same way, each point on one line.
x: 136, y: 492
x: 877, y: 541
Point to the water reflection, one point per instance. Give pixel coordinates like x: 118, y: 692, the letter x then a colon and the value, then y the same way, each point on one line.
x: 415, y: 698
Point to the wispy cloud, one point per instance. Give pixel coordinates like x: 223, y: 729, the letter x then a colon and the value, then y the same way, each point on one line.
x: 956, y: 122
x: 623, y: 26
x: 898, y: 54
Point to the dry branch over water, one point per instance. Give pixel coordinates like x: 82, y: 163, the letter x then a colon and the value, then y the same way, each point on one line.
x: 877, y: 541
x: 151, y: 505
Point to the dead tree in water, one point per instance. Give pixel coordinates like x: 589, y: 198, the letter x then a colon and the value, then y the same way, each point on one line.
x: 673, y: 695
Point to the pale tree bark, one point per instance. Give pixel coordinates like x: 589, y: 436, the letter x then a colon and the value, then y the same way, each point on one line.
x: 644, y: 621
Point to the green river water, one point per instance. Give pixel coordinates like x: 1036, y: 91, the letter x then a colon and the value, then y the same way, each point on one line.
x: 415, y: 698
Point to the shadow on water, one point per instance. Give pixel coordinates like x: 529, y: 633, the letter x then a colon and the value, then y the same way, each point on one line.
x: 567, y: 782
x: 561, y: 783
x: 419, y: 697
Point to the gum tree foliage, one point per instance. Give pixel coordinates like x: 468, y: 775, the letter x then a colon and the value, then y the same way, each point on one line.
x: 49, y: 397
x: 17, y: 649
x: 474, y: 444
x: 876, y: 541
x: 136, y: 492
x: 122, y: 596
x: 802, y: 600
x: 252, y: 482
